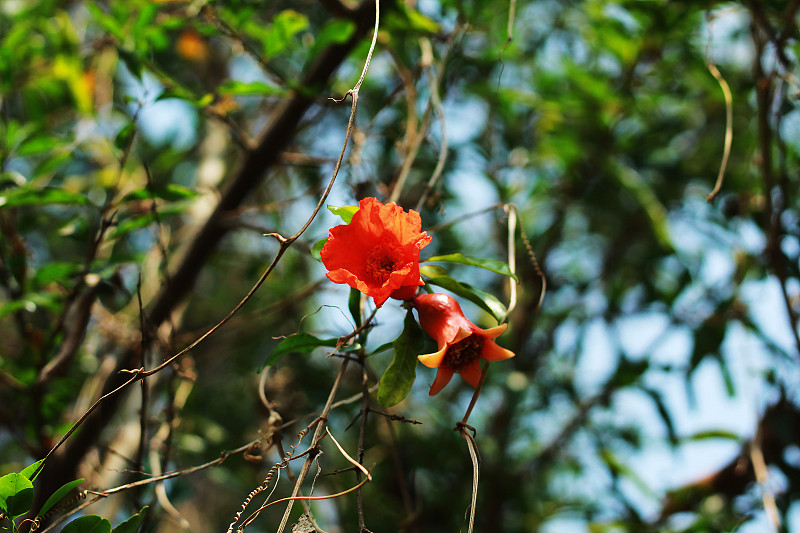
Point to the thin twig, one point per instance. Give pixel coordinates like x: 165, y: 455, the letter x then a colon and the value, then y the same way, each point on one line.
x: 511, y: 209
x: 512, y: 9
x: 476, y: 464
x: 726, y: 91
x: 760, y: 469
x: 362, y: 528
x: 314, y: 442
x: 433, y: 83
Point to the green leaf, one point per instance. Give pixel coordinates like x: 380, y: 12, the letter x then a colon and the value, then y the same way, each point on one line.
x: 29, y: 470
x: 354, y: 306
x: 16, y: 494
x: 40, y: 144
x: 345, y: 211
x: 396, y: 382
x: 482, y: 299
x: 432, y: 271
x: 170, y: 192
x: 649, y: 201
x: 257, y: 88
x: 59, y: 494
x: 299, y: 343
x: 131, y: 525
x: 494, y: 265
x: 664, y: 414
x: 616, y: 465
x: 125, y: 136
x: 336, y: 31
x: 30, y: 303
x: 713, y: 434
x: 285, y: 26
x: 45, y: 196
x: 88, y: 524
x: 148, y: 218
x: 419, y: 22
x: 55, y: 271
x: 317, y: 249
x: 382, y: 348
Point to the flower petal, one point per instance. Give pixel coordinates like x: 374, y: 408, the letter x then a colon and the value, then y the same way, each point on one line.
x: 407, y: 292
x: 461, y: 334
x: 493, y: 352
x: 494, y: 332
x: 472, y: 373
x: 443, y: 377
x: 433, y: 360
x: 377, y: 253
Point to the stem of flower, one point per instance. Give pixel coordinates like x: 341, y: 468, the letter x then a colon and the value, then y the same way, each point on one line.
x: 475, y: 395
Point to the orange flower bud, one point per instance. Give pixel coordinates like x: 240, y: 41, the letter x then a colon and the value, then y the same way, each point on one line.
x: 461, y: 343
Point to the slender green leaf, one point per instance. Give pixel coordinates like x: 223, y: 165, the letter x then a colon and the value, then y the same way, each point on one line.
x: 432, y: 271
x: 494, y: 265
x: 401, y: 373
x: 345, y: 211
x: 615, y: 464
x: 300, y: 343
x: 142, y: 221
x: 170, y: 192
x: 125, y: 136
x: 382, y: 348
x: 30, y: 303
x: 419, y: 22
x: 131, y: 525
x: 55, y: 271
x: 59, y: 494
x: 39, y: 144
x: 16, y: 494
x: 713, y: 434
x: 664, y: 413
x: 253, y: 88
x: 45, y: 196
x: 354, y: 306
x: 88, y: 524
x: 482, y: 299
x: 29, y: 470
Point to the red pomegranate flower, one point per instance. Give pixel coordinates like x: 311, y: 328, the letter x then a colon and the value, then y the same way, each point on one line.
x: 377, y: 252
x: 461, y: 343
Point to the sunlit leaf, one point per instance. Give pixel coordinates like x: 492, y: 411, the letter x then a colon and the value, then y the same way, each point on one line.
x: 285, y: 26
x: 317, y: 248
x: 257, y: 88
x: 346, y: 212
x: 16, y: 494
x: 27, y: 196
x: 29, y: 470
